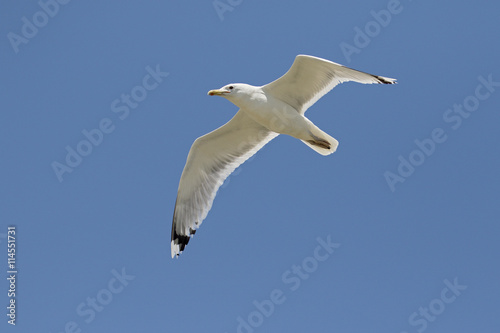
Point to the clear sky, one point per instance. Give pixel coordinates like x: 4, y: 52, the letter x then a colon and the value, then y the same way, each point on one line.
x: 397, y: 231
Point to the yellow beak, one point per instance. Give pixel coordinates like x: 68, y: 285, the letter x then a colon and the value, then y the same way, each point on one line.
x: 217, y: 92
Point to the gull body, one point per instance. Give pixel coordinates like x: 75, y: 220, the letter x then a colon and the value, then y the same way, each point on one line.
x: 265, y: 112
x: 270, y: 112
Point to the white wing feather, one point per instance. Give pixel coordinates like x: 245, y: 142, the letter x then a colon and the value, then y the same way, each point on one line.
x: 212, y: 158
x: 310, y: 78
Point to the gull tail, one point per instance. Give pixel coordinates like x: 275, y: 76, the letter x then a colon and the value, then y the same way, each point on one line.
x: 321, y: 142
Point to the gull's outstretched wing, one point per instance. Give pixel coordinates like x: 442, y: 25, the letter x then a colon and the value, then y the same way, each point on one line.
x: 310, y: 78
x: 211, y: 159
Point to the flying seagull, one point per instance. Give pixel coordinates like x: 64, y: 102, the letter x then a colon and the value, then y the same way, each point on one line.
x: 265, y: 112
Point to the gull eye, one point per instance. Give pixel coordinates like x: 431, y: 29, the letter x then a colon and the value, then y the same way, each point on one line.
x: 231, y: 87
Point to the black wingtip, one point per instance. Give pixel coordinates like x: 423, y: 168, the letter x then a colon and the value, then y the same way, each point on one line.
x: 385, y: 80
x: 181, y: 240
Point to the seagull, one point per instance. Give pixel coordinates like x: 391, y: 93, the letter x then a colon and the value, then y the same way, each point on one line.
x: 265, y: 112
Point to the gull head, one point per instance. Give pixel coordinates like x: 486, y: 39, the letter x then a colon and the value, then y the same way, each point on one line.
x: 234, y: 91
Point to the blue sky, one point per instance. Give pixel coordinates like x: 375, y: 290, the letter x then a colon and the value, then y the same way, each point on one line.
x: 396, y: 232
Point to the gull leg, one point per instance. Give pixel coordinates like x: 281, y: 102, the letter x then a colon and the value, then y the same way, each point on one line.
x: 319, y: 142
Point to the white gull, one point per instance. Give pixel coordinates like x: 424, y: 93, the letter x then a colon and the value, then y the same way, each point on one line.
x: 265, y: 112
